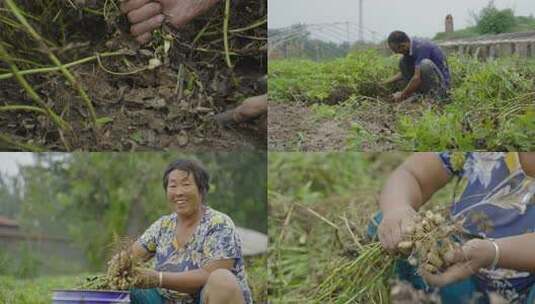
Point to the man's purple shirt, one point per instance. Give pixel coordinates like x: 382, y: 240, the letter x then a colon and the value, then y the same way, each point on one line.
x: 424, y: 49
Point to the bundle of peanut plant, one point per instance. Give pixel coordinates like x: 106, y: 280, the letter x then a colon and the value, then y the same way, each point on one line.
x: 120, y: 274
x: 365, y: 279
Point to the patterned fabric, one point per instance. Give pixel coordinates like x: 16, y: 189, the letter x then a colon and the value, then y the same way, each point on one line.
x: 496, y: 199
x: 215, y: 239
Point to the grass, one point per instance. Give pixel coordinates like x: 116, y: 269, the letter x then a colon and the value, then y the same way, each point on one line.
x: 490, y: 104
x: 35, y: 291
x: 39, y: 290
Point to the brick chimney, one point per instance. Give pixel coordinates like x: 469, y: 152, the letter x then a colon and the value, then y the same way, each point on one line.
x: 449, y: 23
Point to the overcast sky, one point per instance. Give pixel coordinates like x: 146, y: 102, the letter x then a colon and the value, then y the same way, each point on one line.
x: 9, y: 162
x: 423, y: 18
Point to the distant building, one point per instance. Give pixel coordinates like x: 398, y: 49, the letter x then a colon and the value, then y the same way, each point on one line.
x: 8, y: 227
x: 449, y: 24
x: 46, y: 248
x: 485, y: 47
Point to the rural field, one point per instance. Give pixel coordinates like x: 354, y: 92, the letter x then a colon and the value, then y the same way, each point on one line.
x: 39, y: 290
x: 340, y: 104
x: 72, y: 78
x: 319, y: 207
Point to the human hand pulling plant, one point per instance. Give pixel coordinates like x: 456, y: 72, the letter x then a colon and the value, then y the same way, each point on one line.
x: 148, y: 15
x: 487, y: 246
x: 394, y: 225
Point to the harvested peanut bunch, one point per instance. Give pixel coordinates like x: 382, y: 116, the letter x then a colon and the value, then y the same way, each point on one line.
x: 120, y: 275
x: 428, y: 240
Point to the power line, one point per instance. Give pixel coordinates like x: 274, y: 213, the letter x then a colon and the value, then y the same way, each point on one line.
x: 361, y: 22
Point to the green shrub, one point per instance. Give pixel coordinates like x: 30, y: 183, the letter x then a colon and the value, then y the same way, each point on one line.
x: 494, y: 21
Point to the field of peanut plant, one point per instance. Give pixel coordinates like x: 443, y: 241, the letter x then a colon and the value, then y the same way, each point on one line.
x: 341, y: 105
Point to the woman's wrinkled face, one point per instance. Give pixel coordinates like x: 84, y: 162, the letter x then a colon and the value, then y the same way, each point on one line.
x: 182, y: 193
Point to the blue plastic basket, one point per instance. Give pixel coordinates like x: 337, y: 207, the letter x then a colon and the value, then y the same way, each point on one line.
x: 89, y: 296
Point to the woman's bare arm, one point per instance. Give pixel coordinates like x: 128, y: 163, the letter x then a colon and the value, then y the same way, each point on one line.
x: 406, y: 190
x: 188, y: 281
x: 414, y: 182
x: 139, y: 252
x: 516, y: 252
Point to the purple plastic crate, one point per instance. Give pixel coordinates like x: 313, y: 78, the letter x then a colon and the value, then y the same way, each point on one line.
x: 89, y: 296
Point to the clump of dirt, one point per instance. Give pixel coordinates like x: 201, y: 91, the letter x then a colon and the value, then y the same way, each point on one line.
x: 157, y: 96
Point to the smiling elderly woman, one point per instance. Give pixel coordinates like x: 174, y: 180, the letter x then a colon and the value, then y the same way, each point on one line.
x: 197, y: 251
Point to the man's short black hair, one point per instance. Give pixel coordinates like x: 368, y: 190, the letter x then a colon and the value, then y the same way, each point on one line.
x: 201, y: 176
x: 398, y: 37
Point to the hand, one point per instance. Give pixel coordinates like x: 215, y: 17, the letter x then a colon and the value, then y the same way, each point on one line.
x: 394, y: 225
x: 251, y: 108
x: 466, y: 260
x: 145, y: 16
x: 180, y: 12
x: 145, y: 278
x: 398, y: 96
x: 119, y: 262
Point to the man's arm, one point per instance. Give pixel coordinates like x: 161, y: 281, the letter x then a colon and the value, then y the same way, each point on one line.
x: 393, y: 79
x: 413, y: 84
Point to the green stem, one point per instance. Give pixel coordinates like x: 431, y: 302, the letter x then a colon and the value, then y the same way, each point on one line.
x: 31, y: 92
x: 19, y: 146
x: 249, y: 27
x: 225, y: 33
x: 16, y: 11
x: 22, y: 108
x: 56, y: 68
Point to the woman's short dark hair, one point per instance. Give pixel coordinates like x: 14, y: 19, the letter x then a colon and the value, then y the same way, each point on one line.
x: 398, y: 37
x: 201, y: 176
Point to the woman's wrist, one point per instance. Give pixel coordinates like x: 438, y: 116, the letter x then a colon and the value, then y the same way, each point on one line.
x: 489, y: 253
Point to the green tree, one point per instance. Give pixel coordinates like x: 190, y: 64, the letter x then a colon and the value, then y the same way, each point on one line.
x: 494, y: 21
x: 96, y: 197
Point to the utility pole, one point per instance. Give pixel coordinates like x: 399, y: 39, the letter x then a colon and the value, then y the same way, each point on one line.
x: 347, y: 32
x: 361, y: 23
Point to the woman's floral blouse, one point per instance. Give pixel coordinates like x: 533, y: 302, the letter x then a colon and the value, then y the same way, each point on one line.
x: 495, y: 199
x: 215, y: 239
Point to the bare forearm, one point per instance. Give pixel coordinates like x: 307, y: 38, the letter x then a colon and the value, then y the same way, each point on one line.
x: 187, y: 282
x: 411, y: 87
x: 394, y: 78
x: 401, y: 189
x: 516, y: 252
x: 414, y: 182
x: 139, y: 252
